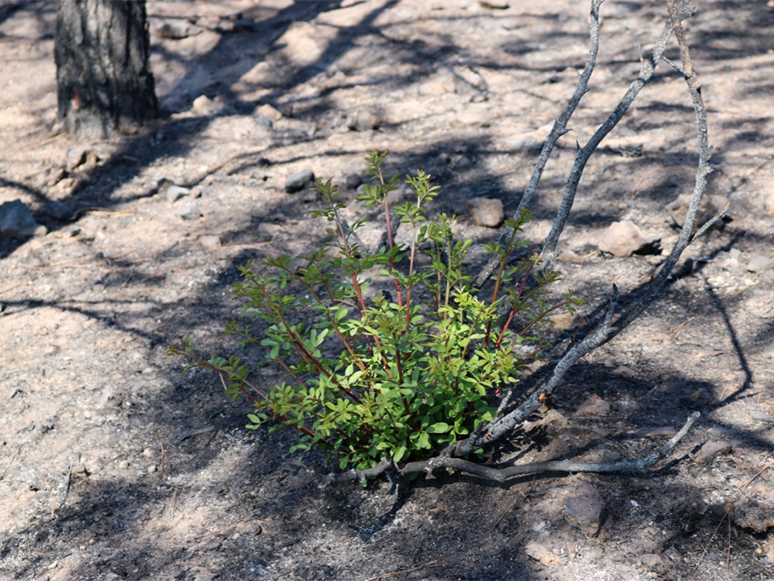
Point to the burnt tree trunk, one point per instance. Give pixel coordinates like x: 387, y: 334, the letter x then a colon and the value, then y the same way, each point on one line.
x: 104, y: 82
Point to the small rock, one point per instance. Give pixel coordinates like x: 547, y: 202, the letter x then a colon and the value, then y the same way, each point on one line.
x: 151, y: 469
x: 176, y: 28
x: 625, y: 238
x: 123, y: 465
x: 486, y: 211
x: 263, y: 122
x: 174, y: 193
x: 758, y: 262
x: 567, y: 255
x: 148, y: 452
x: 78, y: 156
x: 494, y: 4
x: 397, y: 196
x: 16, y: 221
x: 310, y: 197
x: 586, y: 509
x: 712, y: 448
x: 364, y: 120
x: 190, y: 211
x: 563, y: 321
x: 205, y: 106
x: 542, y: 554
x: 653, y: 562
x: 760, y: 415
x: 59, y: 210
x: 210, y: 242
x: 721, y: 432
x: 353, y: 181
x: 268, y: 111
x: 594, y: 406
x: 299, y: 181
x: 752, y: 515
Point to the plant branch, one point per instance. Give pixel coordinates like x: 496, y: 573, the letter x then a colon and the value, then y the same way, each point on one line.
x: 559, y: 129
x: 503, y: 474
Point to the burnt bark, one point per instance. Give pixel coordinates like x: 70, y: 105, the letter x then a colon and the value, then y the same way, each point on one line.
x: 104, y: 83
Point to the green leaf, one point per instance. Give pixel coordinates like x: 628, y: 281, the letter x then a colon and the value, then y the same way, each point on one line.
x: 439, y: 428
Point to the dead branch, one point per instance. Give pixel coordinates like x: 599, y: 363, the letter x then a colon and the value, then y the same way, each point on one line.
x: 504, y: 424
x: 503, y: 474
x: 559, y: 129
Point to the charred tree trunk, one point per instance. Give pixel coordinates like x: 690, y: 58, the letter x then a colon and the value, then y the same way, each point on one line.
x: 103, y: 78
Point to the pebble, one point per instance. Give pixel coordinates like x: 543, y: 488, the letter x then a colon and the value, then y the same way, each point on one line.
x: 123, y: 464
x: 486, y: 211
x: 755, y: 516
x: 586, y: 509
x: 204, y: 106
x: 267, y: 110
x: 624, y: 239
x: 364, y: 120
x: 190, y: 211
x: 653, y: 562
x: 310, y: 197
x: 174, y: 193
x: 712, y: 448
x: 263, y: 122
x: 758, y: 262
x: 148, y: 452
x: 524, y: 142
x: 299, y: 181
x: 760, y: 415
x: 151, y: 469
x: 210, y: 242
x: 16, y: 221
x: 542, y: 554
x: 353, y: 181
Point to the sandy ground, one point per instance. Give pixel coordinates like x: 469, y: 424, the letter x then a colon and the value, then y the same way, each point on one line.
x: 114, y: 465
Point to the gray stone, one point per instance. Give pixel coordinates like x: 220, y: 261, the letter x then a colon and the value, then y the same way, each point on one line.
x: 263, y: 122
x: 310, y: 197
x: 353, y: 181
x: 494, y: 4
x: 210, y: 242
x: 16, y: 221
x: 486, y: 211
x: 758, y: 262
x: 760, y: 416
x: 174, y: 193
x: 712, y: 448
x: 398, y: 196
x: 625, y: 238
x: 190, y: 211
x: 59, y: 210
x: 364, y: 120
x: 299, y: 181
x: 586, y: 509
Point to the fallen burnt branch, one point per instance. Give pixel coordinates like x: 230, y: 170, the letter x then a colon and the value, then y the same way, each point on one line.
x: 503, y: 474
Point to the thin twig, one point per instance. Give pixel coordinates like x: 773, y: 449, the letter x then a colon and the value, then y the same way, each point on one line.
x: 761, y: 471
x: 706, y: 547
x: 430, y: 565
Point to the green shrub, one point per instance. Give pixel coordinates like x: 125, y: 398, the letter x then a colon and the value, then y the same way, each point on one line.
x: 405, y: 372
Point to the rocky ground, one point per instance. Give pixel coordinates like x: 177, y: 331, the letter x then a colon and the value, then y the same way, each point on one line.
x: 115, y: 465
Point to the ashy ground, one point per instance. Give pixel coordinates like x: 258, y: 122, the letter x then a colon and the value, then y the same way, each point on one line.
x: 114, y: 465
